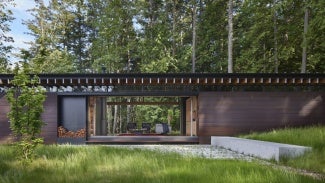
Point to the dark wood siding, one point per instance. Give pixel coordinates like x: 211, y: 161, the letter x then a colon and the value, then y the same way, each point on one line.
x: 49, y: 116
x: 4, y: 124
x: 232, y: 113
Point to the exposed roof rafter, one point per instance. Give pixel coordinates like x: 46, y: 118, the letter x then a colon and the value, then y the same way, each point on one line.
x: 155, y: 79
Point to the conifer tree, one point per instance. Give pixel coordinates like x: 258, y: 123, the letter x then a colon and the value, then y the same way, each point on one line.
x: 5, y: 18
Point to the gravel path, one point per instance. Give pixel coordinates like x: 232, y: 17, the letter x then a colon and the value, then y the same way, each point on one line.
x: 206, y: 151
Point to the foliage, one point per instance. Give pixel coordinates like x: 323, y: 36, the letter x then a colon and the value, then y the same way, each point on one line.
x: 108, y: 164
x: 256, y: 37
x: 164, y: 36
x: 151, y: 113
x: 212, y: 38
x: 26, y: 149
x: 157, y: 114
x: 55, y: 62
x: 5, y: 18
x: 25, y: 99
x: 115, y: 47
x: 316, y: 37
x: 60, y: 37
x: 156, y: 36
x: 313, y: 136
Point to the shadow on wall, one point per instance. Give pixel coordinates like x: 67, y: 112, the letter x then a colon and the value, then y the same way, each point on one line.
x: 310, y: 106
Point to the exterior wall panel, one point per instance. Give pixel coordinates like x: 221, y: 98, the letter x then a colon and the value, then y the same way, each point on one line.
x: 49, y: 131
x: 49, y: 116
x: 4, y: 124
x: 191, y: 116
x: 219, y: 113
x: 232, y: 113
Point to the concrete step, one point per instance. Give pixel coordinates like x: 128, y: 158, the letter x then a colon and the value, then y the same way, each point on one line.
x: 260, y: 149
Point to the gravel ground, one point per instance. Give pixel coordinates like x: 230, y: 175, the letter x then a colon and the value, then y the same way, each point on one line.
x: 206, y: 151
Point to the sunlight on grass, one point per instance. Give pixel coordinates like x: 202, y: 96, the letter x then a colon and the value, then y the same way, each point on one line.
x: 313, y: 136
x: 107, y: 164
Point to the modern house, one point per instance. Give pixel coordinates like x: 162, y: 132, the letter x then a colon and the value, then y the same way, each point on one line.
x: 78, y: 106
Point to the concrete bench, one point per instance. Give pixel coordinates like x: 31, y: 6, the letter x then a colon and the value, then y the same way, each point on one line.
x: 260, y: 149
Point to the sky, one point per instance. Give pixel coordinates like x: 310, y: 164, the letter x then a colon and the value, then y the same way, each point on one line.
x: 18, y: 30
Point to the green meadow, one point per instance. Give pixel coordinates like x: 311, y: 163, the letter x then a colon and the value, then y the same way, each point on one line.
x: 81, y: 164
x: 107, y: 164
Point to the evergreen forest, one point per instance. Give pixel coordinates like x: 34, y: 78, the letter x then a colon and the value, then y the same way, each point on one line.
x: 170, y: 36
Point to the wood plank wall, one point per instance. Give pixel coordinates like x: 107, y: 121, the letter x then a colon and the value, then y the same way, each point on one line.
x: 4, y: 124
x: 50, y: 117
x: 191, y: 121
x: 49, y: 131
x: 91, y: 115
x: 233, y: 113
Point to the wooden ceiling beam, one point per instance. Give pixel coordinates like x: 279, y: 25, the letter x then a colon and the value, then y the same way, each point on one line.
x: 142, y: 103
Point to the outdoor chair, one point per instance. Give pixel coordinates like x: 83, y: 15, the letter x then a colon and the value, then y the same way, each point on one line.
x: 162, y: 128
x: 130, y: 127
x: 165, y: 128
x: 146, y: 126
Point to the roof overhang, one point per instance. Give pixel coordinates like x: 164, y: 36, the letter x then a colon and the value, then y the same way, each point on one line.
x: 185, y: 79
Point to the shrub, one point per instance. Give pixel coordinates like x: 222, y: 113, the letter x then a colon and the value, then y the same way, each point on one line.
x: 26, y: 106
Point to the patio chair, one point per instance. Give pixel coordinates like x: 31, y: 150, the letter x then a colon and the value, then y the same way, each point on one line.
x: 162, y: 128
x: 146, y: 126
x: 130, y: 127
x: 165, y: 128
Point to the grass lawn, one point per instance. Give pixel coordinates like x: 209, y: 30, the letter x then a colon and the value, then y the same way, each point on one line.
x: 313, y: 136
x: 107, y: 164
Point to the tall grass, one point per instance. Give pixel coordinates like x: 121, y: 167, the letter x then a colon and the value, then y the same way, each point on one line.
x: 107, y: 164
x: 313, y: 136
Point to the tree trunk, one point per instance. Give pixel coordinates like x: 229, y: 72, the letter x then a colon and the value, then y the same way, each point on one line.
x: 174, y: 29
x: 230, y: 36
x: 264, y: 58
x: 128, y: 111
x: 109, y: 119
x: 115, y: 118
x: 304, y: 44
x: 276, y: 68
x: 193, y: 37
x: 129, y: 60
x: 104, y: 124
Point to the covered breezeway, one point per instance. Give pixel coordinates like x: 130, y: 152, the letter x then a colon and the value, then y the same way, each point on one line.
x: 106, y: 119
